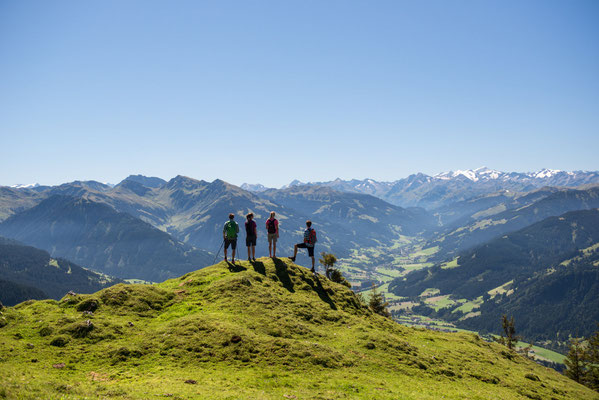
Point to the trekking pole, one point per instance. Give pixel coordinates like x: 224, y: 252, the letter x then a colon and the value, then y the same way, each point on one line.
x: 218, y: 252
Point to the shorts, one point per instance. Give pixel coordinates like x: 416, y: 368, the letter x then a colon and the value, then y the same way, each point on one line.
x: 272, y: 238
x: 250, y: 241
x: 305, y: 246
x: 232, y: 242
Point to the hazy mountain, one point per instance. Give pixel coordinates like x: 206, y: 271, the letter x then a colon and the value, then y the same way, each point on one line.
x: 97, y: 236
x: 13, y: 201
x: 367, y: 215
x: 549, y: 203
x: 254, y: 187
x: 463, y: 212
x: 147, y: 181
x: 431, y: 192
x: 194, y: 211
x: 30, y: 273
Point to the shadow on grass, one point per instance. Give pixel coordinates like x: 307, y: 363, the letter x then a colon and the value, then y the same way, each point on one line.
x: 282, y: 274
x: 236, y: 267
x: 321, y: 291
x: 259, y: 267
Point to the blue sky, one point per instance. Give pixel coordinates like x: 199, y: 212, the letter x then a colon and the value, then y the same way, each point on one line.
x: 312, y: 90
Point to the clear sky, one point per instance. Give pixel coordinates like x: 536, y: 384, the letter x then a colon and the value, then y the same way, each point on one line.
x: 257, y: 91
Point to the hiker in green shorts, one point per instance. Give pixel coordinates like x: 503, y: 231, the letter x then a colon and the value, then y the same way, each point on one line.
x: 230, y: 231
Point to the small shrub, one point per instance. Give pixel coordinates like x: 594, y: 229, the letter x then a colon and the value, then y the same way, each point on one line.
x: 59, y: 341
x: 45, y: 331
x: 88, y: 305
x: 123, y: 354
x: 532, y: 377
x: 80, y: 329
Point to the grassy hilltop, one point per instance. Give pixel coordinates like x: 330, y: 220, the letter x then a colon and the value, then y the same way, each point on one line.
x: 268, y: 330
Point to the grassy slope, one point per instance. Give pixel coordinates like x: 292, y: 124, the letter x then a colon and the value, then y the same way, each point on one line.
x: 299, y: 336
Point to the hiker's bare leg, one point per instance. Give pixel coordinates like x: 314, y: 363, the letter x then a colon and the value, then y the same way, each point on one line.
x: 248, y: 252
x: 274, y: 250
x: 270, y: 249
x: 225, y: 254
x: 233, y: 255
x: 312, y: 262
x: 253, y: 251
x: 295, y: 251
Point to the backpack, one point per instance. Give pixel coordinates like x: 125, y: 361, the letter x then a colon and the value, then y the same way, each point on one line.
x: 311, y: 239
x: 249, y: 228
x: 231, y: 230
x: 270, y: 224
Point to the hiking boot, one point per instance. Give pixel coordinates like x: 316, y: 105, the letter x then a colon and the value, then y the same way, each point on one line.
x: 226, y: 259
x: 292, y: 259
x: 313, y: 271
x: 254, y: 259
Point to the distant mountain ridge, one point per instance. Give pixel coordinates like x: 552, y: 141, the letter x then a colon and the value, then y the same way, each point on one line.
x: 193, y: 211
x: 431, y: 192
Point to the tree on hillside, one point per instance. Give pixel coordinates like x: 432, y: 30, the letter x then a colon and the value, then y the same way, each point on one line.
x: 508, y: 336
x: 329, y: 260
x: 592, y: 361
x: 574, y: 362
x: 378, y: 304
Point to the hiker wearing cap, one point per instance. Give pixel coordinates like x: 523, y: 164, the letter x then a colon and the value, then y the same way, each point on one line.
x: 230, y: 231
x: 250, y: 236
x: 309, y: 242
x: 272, y: 227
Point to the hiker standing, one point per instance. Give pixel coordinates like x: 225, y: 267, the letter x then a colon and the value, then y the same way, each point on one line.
x: 250, y: 236
x: 272, y: 227
x: 309, y: 242
x: 230, y: 231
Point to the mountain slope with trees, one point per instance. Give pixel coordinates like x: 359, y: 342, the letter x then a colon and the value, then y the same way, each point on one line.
x: 98, y: 237
x: 523, y: 273
x: 30, y: 273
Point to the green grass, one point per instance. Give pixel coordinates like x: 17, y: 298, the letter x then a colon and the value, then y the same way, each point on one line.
x: 469, y: 305
x: 452, y: 264
x: 426, y: 252
x: 263, y: 331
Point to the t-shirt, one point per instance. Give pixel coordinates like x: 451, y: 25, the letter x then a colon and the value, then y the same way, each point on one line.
x: 250, y: 228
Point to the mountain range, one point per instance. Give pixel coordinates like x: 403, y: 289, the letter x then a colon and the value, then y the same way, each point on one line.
x: 431, y: 192
x: 485, y: 233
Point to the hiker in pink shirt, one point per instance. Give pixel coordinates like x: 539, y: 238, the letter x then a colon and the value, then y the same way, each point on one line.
x: 272, y: 227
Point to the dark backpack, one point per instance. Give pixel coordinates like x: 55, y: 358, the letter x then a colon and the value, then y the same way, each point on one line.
x: 249, y: 228
x: 270, y: 224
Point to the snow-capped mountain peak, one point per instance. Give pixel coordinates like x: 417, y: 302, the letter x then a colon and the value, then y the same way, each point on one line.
x: 545, y: 173
x: 25, y: 186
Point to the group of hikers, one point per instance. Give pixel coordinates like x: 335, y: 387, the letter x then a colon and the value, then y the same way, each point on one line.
x: 231, y: 231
